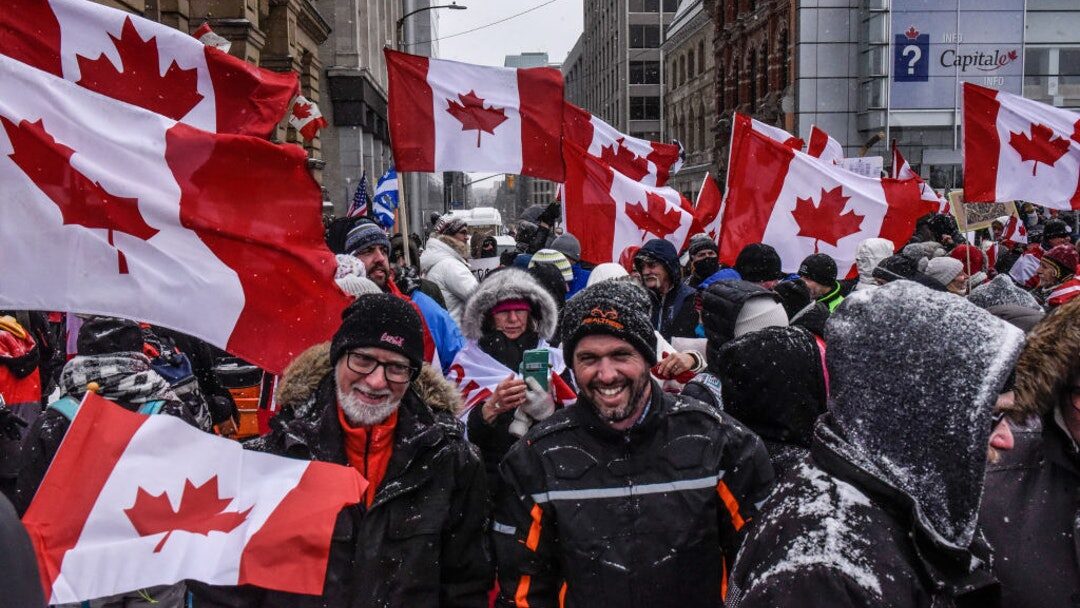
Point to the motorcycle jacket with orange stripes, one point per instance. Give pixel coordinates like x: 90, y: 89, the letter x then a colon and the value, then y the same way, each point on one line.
x: 647, y: 517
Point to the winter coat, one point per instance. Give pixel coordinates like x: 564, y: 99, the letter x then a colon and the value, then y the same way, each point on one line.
x: 1031, y: 507
x: 673, y: 313
x: 649, y: 517
x: 773, y: 381
x: 443, y: 263
x: 422, y: 541
x: 20, y: 378
x: 508, y: 284
x: 18, y: 568
x: 868, y: 255
x: 721, y: 303
x: 833, y: 298
x: 581, y: 279
x: 884, y: 511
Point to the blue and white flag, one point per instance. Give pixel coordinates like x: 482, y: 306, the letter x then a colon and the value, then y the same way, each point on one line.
x: 360, y: 199
x: 385, y: 201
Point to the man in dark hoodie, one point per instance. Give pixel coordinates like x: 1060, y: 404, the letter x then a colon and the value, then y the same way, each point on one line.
x: 884, y: 510
x: 673, y: 312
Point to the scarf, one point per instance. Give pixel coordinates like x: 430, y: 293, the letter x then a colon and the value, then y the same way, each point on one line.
x: 125, y: 378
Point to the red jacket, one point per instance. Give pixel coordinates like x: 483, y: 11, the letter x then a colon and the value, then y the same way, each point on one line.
x: 20, y: 381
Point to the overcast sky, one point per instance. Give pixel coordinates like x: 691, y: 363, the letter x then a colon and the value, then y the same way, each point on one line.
x: 551, y: 28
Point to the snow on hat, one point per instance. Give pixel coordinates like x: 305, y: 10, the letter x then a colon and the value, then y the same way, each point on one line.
x: 550, y: 256
x: 1064, y: 259
x: 448, y: 224
x: 700, y: 242
x: 759, y: 313
x: 758, y: 262
x: 1056, y: 228
x: 615, y: 308
x: 568, y: 245
x: 605, y: 272
x: 380, y: 320
x: 1002, y: 291
x: 820, y: 268
x: 365, y: 234
x: 944, y: 270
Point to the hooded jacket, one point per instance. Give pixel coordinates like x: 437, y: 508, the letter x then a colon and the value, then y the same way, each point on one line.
x: 508, y: 284
x: 869, y: 254
x: 884, y: 510
x: 773, y: 381
x: 1031, y: 511
x: 720, y: 306
x: 422, y: 541
x: 673, y: 314
x: 443, y: 263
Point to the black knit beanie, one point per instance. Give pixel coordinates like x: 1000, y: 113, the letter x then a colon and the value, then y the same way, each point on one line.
x: 380, y: 320
x: 615, y: 308
x: 758, y: 262
x: 105, y: 335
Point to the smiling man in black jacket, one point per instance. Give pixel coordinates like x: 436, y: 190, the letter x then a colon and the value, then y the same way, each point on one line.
x: 632, y: 497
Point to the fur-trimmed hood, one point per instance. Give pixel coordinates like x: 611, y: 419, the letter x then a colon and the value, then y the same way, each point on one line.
x: 440, y: 247
x: 1048, y: 362
x: 509, y: 284
x: 303, y: 375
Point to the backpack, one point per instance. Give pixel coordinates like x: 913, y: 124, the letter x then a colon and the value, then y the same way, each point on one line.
x: 175, y: 367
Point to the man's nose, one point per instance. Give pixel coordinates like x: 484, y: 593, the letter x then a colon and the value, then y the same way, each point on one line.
x: 376, y: 380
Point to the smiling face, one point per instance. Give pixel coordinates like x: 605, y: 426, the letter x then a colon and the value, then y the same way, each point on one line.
x: 613, y: 377
x: 654, y: 275
x: 368, y: 398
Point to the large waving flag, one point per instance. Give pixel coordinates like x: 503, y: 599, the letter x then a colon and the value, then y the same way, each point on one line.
x: 648, y: 162
x: 146, y: 64
x: 451, y: 116
x: 127, y: 212
x: 385, y: 202
x: 133, y: 501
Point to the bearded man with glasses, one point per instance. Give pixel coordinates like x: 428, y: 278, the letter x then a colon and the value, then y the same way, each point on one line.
x: 366, y: 400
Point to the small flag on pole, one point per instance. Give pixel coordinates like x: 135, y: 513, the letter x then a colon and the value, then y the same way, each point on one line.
x: 386, y: 198
x: 360, y: 199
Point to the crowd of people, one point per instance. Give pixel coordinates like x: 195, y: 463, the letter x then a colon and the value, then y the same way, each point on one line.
x: 698, y: 434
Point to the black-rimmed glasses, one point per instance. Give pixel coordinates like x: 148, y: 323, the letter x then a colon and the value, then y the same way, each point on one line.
x: 394, y: 372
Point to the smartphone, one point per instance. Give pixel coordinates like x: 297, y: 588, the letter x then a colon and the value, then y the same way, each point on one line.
x: 536, y: 364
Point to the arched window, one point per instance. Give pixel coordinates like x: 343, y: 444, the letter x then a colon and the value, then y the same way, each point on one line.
x: 691, y: 138
x: 702, y: 133
x: 763, y: 72
x: 750, y: 84
x: 690, y: 65
x: 701, y: 57
x: 682, y: 69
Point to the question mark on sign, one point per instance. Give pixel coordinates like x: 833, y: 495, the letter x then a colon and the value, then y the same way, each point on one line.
x: 916, y: 55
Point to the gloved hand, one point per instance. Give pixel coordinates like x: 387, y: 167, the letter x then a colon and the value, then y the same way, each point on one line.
x: 538, y: 402
x: 551, y: 214
x: 11, y: 425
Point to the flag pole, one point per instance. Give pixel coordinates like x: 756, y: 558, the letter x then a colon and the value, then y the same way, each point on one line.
x: 403, y: 210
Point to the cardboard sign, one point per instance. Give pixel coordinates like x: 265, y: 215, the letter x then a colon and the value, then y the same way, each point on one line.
x: 976, y: 216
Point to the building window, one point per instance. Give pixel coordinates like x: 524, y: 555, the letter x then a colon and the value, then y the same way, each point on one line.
x: 1052, y: 75
x: 644, y: 6
x: 644, y: 72
x: 670, y: 6
x: 644, y: 108
x: 644, y: 36
x: 701, y: 57
x: 682, y: 69
x: 690, y: 65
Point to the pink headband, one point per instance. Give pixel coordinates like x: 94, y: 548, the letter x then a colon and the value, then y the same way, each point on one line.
x: 508, y: 305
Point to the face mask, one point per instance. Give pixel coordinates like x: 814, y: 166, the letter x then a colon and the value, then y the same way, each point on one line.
x: 705, y: 268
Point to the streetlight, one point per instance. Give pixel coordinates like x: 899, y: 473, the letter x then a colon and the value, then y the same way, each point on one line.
x: 454, y: 6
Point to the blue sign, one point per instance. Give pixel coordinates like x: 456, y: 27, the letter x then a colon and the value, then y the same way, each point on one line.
x: 911, y: 61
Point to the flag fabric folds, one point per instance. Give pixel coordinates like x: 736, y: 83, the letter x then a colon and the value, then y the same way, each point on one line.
x: 160, y: 502
x: 902, y: 170
x: 823, y: 146
x: 385, y: 202
x: 1016, y: 148
x: 451, y: 116
x: 147, y: 64
x: 129, y: 213
x: 707, y: 207
x: 648, y: 162
x: 360, y: 200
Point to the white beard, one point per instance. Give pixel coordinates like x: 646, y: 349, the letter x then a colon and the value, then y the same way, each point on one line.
x: 359, y: 413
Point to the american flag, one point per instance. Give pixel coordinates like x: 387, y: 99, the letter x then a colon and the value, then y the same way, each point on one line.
x: 360, y: 199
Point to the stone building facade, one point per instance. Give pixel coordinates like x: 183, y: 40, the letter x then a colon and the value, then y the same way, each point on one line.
x: 689, y: 99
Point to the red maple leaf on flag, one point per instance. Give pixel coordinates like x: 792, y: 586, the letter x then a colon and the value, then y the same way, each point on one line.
x: 81, y: 200
x: 201, y: 511
x: 141, y: 83
x: 622, y: 159
x: 656, y: 217
x: 301, y: 110
x: 1042, y: 147
x: 826, y: 221
x: 1076, y: 132
x: 472, y: 114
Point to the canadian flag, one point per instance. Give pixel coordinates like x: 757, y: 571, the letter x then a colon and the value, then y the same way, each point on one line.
x: 823, y: 146
x: 126, y: 212
x: 450, y: 116
x: 1014, y: 231
x: 206, y: 35
x: 306, y: 118
x: 802, y: 205
x: 1016, y: 148
x: 132, y: 501
x: 902, y: 170
x: 648, y: 162
x: 707, y: 206
x: 476, y: 374
x: 610, y: 212
x: 1025, y: 270
x: 146, y: 64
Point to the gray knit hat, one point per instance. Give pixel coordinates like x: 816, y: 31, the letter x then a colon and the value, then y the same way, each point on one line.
x: 365, y: 234
x: 944, y: 269
x: 616, y: 308
x: 568, y: 245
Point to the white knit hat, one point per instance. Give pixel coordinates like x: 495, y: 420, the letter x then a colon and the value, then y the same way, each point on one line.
x: 944, y: 269
x: 759, y: 313
x: 606, y: 271
x: 550, y: 256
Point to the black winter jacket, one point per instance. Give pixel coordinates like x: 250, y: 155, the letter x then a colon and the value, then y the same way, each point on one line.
x: 1031, y: 515
x: 422, y: 542
x: 591, y: 516
x: 674, y: 314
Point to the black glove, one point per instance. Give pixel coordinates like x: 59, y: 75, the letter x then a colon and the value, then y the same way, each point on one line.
x: 11, y: 425
x: 551, y: 214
